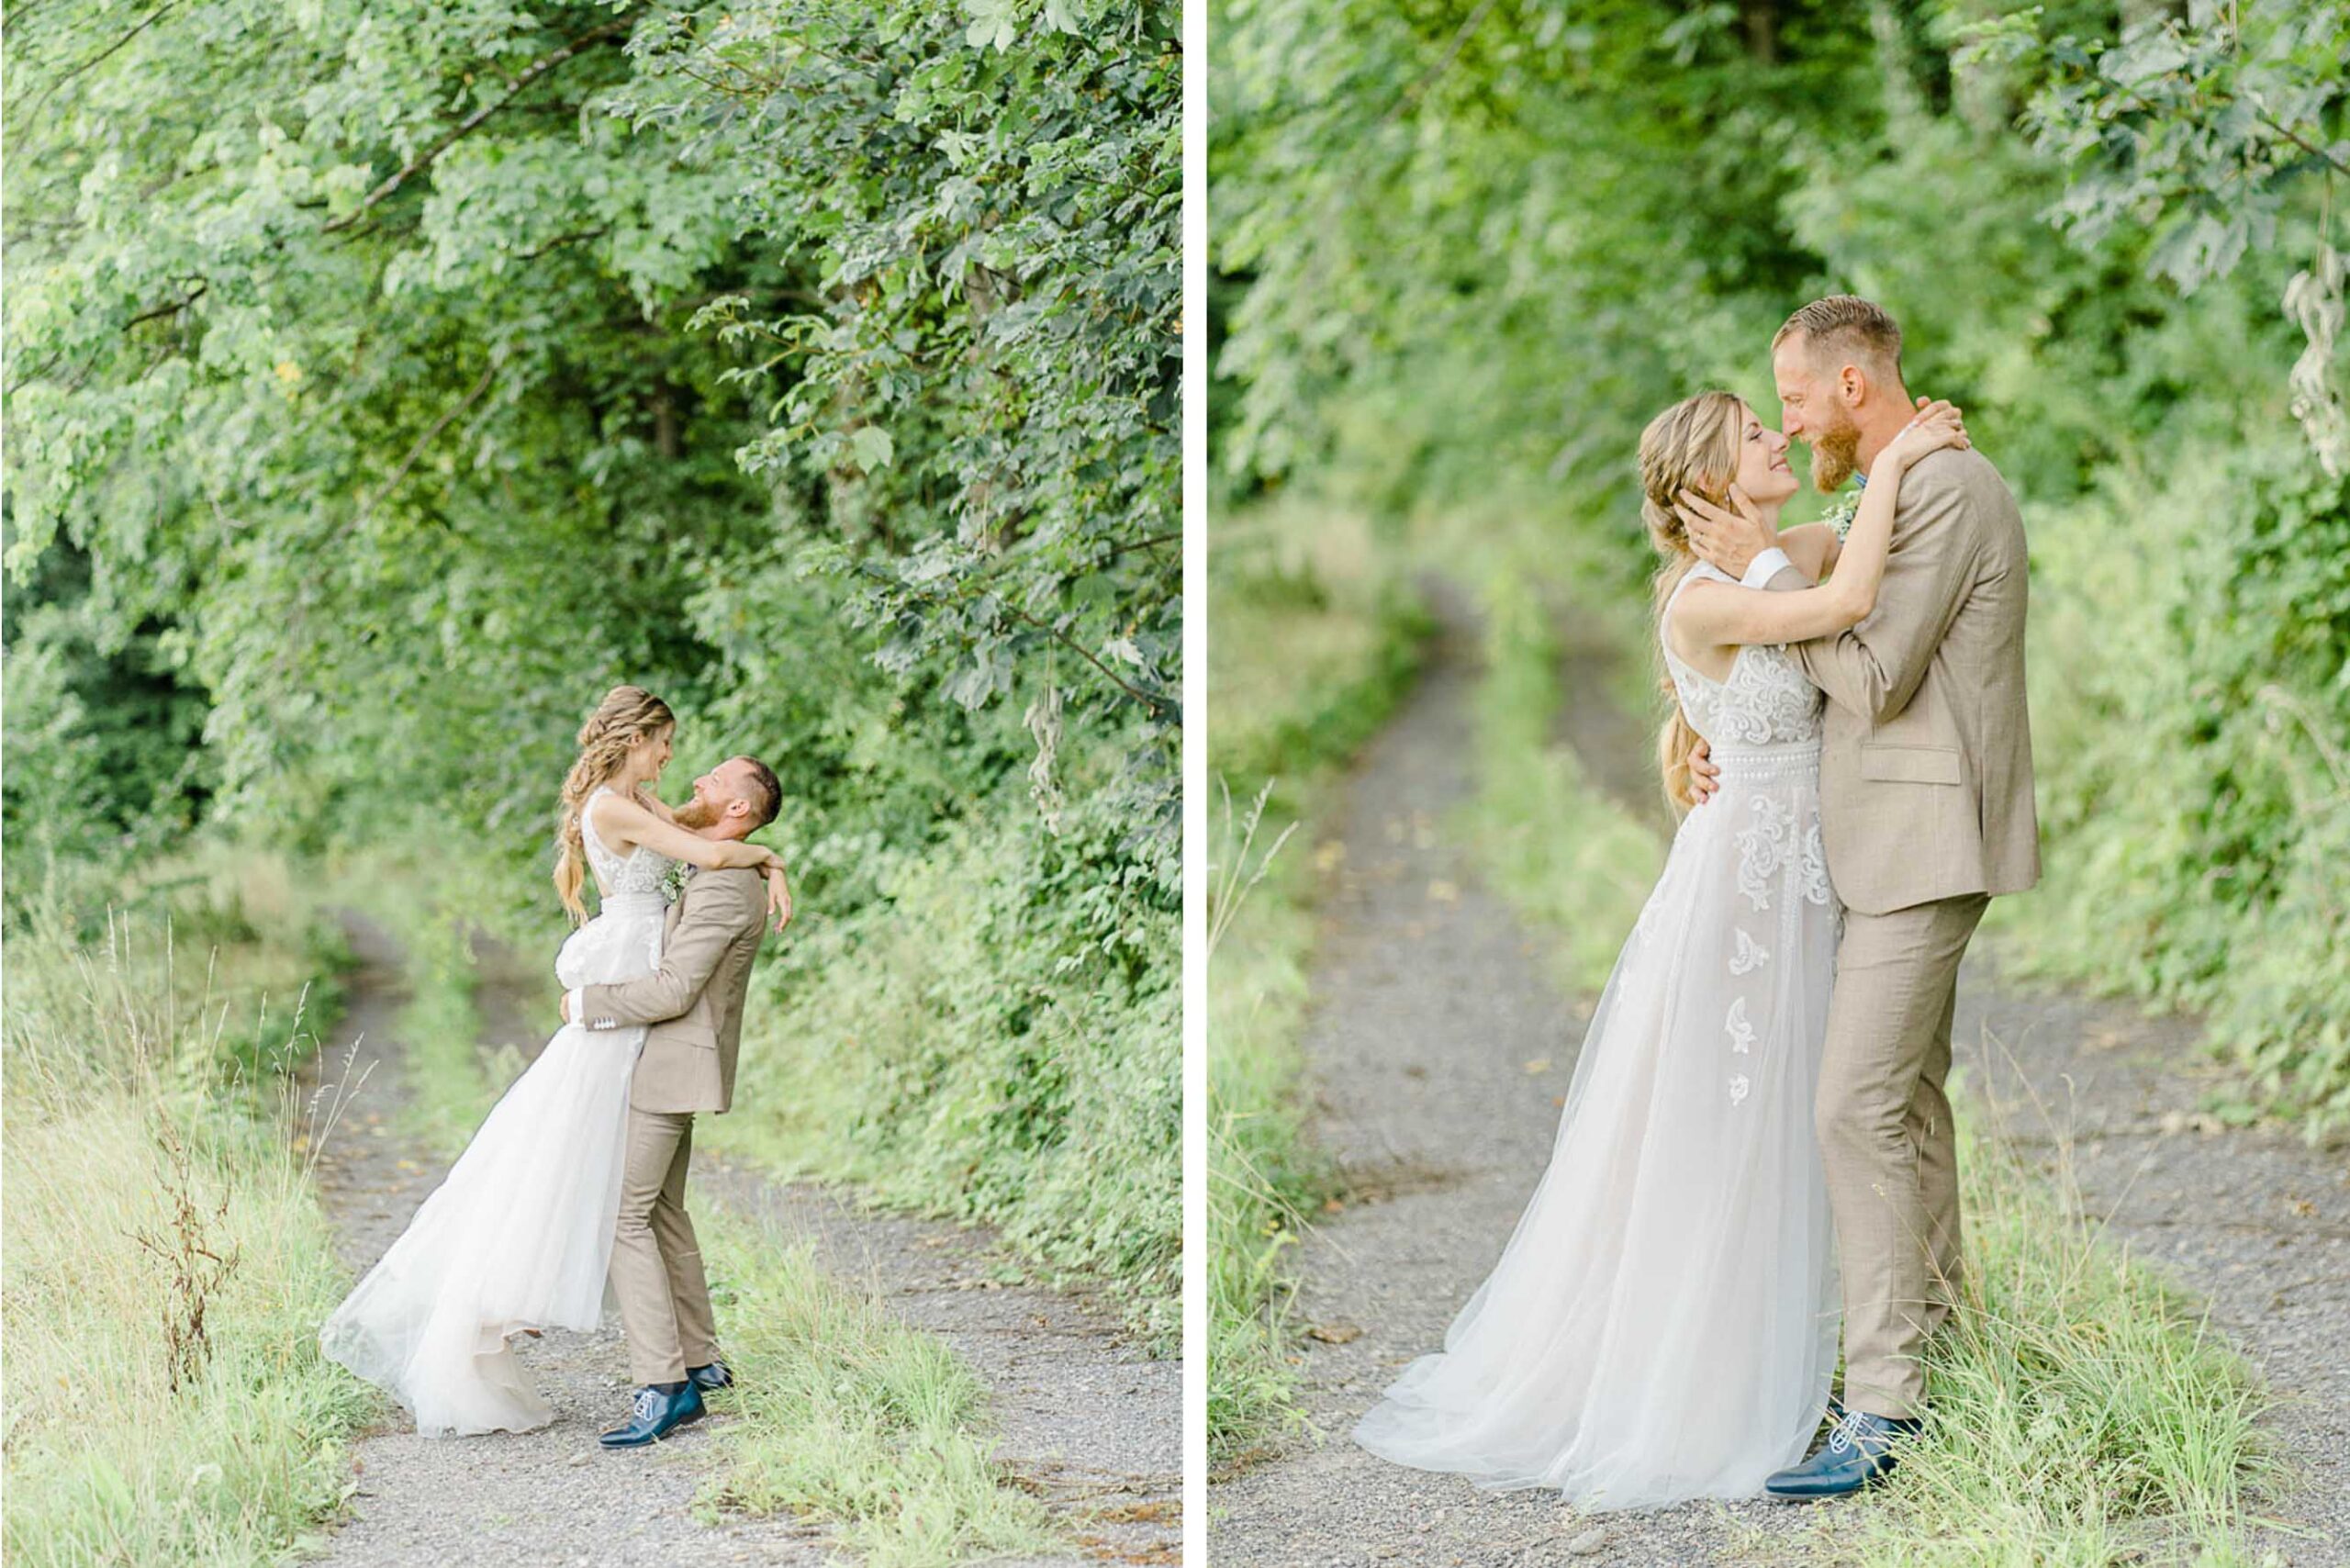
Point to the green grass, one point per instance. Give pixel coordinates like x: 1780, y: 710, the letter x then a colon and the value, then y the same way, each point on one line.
x: 2081, y: 1411
x: 1566, y: 855
x: 1315, y: 642
x: 847, y: 1415
x: 450, y: 1088
x: 1263, y: 1177
x: 148, y: 1123
x: 996, y: 1038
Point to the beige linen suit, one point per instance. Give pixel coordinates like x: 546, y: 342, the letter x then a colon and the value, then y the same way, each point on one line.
x: 693, y: 1004
x: 1926, y: 809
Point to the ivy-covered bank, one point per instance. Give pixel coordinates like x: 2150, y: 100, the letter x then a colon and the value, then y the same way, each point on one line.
x: 1468, y: 250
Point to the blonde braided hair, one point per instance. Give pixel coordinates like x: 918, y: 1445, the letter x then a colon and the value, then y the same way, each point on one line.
x: 1692, y: 446
x: 626, y: 719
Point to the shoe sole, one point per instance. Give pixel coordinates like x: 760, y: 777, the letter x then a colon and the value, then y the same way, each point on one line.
x: 1879, y: 1479
x: 657, y: 1437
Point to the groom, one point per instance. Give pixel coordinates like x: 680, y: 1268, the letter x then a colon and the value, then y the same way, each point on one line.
x: 1926, y: 806
x: 694, y: 1005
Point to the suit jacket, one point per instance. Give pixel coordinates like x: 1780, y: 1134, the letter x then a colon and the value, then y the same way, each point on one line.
x: 694, y: 1002
x: 1925, y: 770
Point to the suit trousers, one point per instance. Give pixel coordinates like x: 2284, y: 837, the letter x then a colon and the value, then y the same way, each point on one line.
x: 1887, y: 1144
x: 656, y: 1263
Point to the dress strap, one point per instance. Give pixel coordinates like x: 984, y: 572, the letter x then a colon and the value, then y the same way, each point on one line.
x: 587, y: 820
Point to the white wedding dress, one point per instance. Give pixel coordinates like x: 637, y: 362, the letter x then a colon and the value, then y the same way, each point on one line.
x: 518, y: 1235
x: 1662, y: 1324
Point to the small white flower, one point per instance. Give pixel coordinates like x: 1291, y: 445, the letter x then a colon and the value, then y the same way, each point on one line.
x: 1848, y: 506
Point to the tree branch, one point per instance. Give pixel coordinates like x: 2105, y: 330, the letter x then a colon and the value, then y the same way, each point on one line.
x: 170, y: 308
x: 1419, y: 90
x: 368, y: 507
x: 530, y: 74
x: 535, y: 252
x: 1156, y: 702
x: 2318, y: 153
x: 153, y: 17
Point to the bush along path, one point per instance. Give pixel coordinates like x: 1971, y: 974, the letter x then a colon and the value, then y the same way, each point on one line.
x: 1082, y: 1432
x: 1439, y: 1052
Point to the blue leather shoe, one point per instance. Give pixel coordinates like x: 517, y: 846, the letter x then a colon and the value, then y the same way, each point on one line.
x: 710, y: 1378
x: 1858, y: 1452
x: 655, y: 1416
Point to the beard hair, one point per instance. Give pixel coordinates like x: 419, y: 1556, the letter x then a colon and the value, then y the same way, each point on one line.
x: 1835, y: 454
x: 694, y: 817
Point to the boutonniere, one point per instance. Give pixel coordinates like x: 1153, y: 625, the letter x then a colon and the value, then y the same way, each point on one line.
x: 1847, y: 507
x: 673, y: 886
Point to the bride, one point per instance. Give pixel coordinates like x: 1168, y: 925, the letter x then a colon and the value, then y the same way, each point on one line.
x: 518, y: 1237
x: 1662, y: 1323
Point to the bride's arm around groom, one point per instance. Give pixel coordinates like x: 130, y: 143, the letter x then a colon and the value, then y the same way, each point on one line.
x: 719, y: 916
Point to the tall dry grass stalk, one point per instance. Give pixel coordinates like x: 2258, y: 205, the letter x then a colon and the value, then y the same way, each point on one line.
x: 163, y: 1264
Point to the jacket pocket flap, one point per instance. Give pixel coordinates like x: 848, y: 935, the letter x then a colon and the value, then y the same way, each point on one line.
x: 1910, y: 763
x: 692, y: 1031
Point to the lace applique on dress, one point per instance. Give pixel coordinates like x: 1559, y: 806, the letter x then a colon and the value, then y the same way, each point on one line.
x: 1751, y: 954
x: 1817, y: 889
x: 1764, y: 846
x: 641, y: 871
x: 1741, y: 1033
x: 1765, y: 699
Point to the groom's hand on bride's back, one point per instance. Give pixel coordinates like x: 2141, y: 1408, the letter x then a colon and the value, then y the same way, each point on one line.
x: 1704, y: 778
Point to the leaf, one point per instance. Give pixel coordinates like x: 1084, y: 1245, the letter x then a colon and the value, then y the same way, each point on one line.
x: 994, y: 23
x: 871, y: 447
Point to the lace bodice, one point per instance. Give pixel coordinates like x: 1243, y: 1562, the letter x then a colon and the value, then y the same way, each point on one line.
x: 1766, y: 700
x: 641, y: 871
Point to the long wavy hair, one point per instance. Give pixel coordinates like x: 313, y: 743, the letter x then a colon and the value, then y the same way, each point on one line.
x: 626, y: 718
x: 1692, y: 446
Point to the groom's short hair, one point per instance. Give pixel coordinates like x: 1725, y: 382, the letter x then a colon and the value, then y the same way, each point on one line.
x: 766, y: 797
x: 1847, y: 324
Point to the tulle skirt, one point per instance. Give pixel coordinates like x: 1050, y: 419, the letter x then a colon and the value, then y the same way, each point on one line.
x: 1662, y: 1323
x: 518, y: 1235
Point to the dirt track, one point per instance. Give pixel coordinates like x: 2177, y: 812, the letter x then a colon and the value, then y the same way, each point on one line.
x: 1081, y: 1414
x: 1439, y: 1052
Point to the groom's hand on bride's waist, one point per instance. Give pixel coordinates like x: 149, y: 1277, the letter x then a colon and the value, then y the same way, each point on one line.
x: 1705, y: 775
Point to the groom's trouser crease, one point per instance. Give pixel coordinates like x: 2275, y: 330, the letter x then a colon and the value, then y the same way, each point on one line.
x: 1887, y: 1144
x: 656, y: 1260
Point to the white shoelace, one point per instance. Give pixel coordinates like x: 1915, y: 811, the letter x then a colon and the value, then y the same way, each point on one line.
x: 1846, y: 1429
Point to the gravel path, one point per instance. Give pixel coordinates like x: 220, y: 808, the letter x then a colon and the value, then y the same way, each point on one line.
x: 1083, y: 1417
x: 1438, y: 1053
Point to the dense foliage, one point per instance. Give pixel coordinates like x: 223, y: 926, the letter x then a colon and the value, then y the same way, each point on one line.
x: 1465, y: 250
x: 385, y: 381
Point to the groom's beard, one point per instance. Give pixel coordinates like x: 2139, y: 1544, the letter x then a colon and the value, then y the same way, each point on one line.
x: 694, y: 817
x: 1835, y: 454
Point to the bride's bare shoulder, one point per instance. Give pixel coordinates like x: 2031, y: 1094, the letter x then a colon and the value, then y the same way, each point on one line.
x: 612, y: 814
